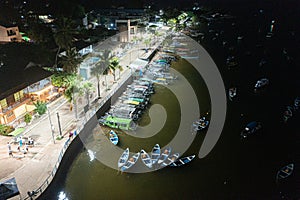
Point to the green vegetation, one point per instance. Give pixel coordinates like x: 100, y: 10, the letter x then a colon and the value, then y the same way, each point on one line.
x: 5, y: 130
x: 40, y: 107
x: 27, y: 118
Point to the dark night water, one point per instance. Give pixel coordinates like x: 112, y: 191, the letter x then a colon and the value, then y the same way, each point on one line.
x: 248, y: 167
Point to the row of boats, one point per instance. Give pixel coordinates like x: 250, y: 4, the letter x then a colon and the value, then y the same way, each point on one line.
x: 132, y: 103
x: 157, y: 158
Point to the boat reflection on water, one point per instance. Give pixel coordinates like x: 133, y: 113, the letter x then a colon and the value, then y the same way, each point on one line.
x: 62, y: 196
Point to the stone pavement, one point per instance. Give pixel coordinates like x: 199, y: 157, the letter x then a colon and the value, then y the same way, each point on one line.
x: 33, y: 168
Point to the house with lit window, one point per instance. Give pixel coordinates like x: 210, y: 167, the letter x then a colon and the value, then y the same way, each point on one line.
x: 9, y: 33
x: 23, y: 80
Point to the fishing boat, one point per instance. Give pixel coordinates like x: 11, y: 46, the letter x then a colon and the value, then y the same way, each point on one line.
x: 146, y: 158
x: 251, y: 128
x: 201, y: 124
x: 118, y: 123
x: 285, y: 171
x: 165, y: 154
x: 232, y: 93
x: 130, y: 162
x: 124, y: 157
x: 182, y: 161
x: 155, y: 153
x: 113, y: 137
x: 170, y: 160
x: 261, y: 83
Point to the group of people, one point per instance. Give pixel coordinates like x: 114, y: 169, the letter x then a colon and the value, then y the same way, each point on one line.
x: 19, y: 148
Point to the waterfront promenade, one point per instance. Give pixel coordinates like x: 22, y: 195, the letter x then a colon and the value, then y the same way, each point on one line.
x: 32, y: 169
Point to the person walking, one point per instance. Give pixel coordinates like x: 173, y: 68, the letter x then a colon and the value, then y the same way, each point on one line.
x: 10, y: 154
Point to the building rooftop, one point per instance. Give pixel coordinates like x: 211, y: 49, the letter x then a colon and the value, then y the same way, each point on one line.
x: 21, y: 64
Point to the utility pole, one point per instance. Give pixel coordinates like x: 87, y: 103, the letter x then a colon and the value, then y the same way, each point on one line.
x: 60, y: 133
x: 51, y: 125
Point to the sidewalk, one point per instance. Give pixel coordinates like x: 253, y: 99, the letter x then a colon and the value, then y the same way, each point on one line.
x: 33, y: 168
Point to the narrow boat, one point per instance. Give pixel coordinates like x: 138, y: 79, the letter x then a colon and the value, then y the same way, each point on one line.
x: 182, y: 161
x: 285, y: 171
x: 164, y: 155
x: 251, y: 128
x: 155, y: 153
x: 232, y: 93
x: 124, y: 157
x: 170, y: 160
x: 201, y: 124
x: 130, y: 162
x: 261, y: 83
x: 113, y: 137
x: 146, y: 158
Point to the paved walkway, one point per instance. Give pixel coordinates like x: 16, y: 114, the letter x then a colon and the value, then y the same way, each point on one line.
x: 33, y: 168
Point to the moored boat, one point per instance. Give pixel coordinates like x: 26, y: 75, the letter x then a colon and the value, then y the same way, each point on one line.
x: 285, y: 171
x: 165, y: 154
x: 182, y: 161
x: 232, y: 93
x: 124, y: 157
x: 170, y: 160
x: 201, y: 124
x: 261, y: 83
x: 155, y: 154
x: 130, y: 162
x: 146, y: 158
x: 113, y: 137
x: 251, y: 128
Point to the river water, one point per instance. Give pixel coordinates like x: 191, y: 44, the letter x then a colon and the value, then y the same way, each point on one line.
x: 235, y: 169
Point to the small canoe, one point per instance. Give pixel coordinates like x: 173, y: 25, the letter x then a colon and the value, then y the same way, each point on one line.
x: 130, y: 162
x: 182, y: 161
x: 124, y: 157
x: 165, y: 154
x: 155, y: 153
x: 146, y: 158
x: 285, y: 171
x: 170, y: 160
x: 232, y: 93
x: 113, y: 137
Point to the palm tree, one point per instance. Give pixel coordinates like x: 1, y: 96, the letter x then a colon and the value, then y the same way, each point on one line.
x: 97, y: 71
x: 87, y: 88
x: 63, y: 36
x: 71, y: 61
x: 114, y: 65
x: 105, y: 60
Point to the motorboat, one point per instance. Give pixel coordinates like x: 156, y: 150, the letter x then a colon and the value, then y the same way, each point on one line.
x: 146, y: 158
x: 124, y: 157
x: 130, y: 162
x: 261, y: 83
x: 182, y: 161
x: 285, y: 172
x: 232, y: 93
x: 155, y: 153
x: 165, y: 154
x: 251, y: 128
x: 113, y: 137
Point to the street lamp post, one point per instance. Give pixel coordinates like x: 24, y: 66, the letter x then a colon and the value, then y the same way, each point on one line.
x: 59, y: 124
x: 51, y: 125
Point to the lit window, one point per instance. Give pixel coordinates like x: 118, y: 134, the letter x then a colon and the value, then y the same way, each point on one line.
x: 3, y: 103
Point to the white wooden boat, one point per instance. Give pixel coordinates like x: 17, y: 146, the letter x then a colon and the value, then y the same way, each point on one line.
x: 165, y: 154
x: 155, y: 154
x: 130, y: 162
x: 170, y: 160
x: 113, y: 137
x: 146, y: 158
x: 124, y: 157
